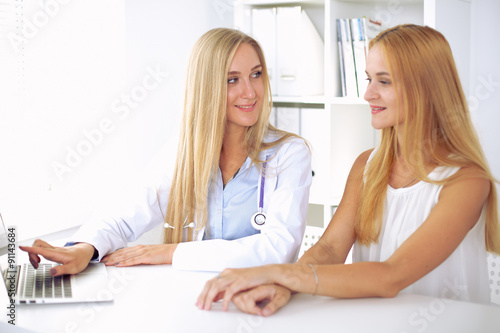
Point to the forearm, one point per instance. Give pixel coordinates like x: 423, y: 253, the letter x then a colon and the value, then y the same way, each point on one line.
x: 366, y: 279
x: 322, y: 254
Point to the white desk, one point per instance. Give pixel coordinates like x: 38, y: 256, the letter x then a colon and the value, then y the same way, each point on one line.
x: 160, y: 299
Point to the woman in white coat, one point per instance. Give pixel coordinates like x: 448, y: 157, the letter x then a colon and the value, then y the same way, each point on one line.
x: 231, y: 164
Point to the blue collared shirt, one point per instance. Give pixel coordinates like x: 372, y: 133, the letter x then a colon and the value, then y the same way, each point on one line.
x: 231, y: 208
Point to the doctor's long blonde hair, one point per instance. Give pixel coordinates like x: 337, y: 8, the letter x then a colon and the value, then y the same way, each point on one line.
x: 437, y: 125
x: 203, y: 125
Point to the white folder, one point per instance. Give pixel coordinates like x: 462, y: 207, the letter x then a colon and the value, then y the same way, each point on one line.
x: 264, y: 31
x: 299, y: 54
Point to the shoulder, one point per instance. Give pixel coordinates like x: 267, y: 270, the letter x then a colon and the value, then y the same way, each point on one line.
x: 360, y: 162
x: 468, y: 188
x: 464, y: 195
x: 289, y: 145
x: 468, y: 179
x: 358, y: 168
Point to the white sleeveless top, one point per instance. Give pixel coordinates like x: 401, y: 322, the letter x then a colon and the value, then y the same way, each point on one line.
x: 463, y: 275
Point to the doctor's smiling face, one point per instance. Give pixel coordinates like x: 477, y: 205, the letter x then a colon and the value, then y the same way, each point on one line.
x: 245, y: 88
x: 381, y: 92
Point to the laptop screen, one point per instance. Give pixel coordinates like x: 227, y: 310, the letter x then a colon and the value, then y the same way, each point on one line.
x: 3, y: 237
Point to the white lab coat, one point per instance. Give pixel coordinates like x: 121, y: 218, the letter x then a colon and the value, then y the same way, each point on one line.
x: 286, y: 195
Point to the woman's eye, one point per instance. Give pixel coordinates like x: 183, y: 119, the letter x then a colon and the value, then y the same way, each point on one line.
x: 257, y: 74
x: 232, y: 80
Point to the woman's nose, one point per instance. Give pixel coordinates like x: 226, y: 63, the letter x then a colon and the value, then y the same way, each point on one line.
x: 370, y: 93
x: 248, y: 90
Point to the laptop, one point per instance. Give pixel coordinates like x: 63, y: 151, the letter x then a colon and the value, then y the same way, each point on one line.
x: 25, y: 285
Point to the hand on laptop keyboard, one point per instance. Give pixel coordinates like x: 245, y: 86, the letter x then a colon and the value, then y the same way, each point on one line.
x: 73, y: 259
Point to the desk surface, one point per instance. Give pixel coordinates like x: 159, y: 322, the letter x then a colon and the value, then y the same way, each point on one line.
x: 161, y: 299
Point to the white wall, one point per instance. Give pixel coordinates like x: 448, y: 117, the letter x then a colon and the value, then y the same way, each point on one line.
x: 102, y: 91
x: 485, y: 77
x: 161, y: 34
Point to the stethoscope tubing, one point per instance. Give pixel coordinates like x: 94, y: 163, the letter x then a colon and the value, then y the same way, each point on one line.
x: 259, y: 218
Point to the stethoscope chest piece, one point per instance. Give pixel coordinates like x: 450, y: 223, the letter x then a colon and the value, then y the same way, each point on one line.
x: 258, y: 220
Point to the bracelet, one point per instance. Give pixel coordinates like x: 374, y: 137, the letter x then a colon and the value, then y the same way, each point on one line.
x: 316, y: 278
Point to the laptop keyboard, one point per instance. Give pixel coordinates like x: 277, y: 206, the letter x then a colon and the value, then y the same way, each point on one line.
x: 38, y: 283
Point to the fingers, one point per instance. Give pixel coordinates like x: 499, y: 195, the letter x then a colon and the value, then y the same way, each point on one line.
x: 241, y: 280
x: 226, y: 285
x: 32, y: 255
x: 263, y: 300
x: 34, y: 260
x: 248, y: 301
x: 74, y: 259
x: 70, y: 268
x: 141, y: 254
x: 135, y: 260
x: 233, y: 289
x: 126, y: 257
x: 34, y: 252
x: 281, y: 298
x: 212, y: 292
x: 50, y: 254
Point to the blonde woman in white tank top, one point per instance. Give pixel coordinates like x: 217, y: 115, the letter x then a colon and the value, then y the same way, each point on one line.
x: 421, y: 209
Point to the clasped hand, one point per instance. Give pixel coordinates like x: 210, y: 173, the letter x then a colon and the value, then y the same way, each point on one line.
x: 252, y: 290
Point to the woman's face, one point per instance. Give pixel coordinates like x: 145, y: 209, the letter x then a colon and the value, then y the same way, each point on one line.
x: 381, y: 93
x: 245, y: 88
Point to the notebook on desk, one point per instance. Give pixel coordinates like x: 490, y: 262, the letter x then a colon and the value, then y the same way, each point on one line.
x: 26, y: 285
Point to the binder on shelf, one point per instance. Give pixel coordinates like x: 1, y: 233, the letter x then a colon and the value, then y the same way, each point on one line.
x: 293, y: 47
x: 311, y: 66
x: 341, y: 58
x: 287, y: 38
x: 353, y: 39
x: 359, y: 49
x: 348, y: 69
x: 264, y: 31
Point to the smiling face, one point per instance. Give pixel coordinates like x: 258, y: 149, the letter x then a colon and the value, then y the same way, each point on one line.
x: 245, y: 88
x: 381, y: 93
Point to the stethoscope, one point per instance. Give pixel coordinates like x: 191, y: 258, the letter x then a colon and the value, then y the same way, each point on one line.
x: 259, y: 218
x: 189, y: 225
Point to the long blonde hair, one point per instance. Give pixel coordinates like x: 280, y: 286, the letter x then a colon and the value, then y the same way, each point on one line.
x: 437, y: 126
x: 202, y: 128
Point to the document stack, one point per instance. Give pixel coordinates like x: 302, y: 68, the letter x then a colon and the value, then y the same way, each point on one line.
x: 353, y: 37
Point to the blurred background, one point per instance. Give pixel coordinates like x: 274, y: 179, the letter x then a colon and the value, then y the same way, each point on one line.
x: 91, y: 91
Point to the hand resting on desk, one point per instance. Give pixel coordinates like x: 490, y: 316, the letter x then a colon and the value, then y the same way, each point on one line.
x: 156, y: 254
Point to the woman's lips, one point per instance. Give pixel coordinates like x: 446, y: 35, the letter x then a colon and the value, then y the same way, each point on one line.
x: 376, y: 109
x: 247, y: 108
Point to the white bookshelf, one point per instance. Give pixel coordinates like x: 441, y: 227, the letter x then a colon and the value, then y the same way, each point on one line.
x: 339, y: 128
